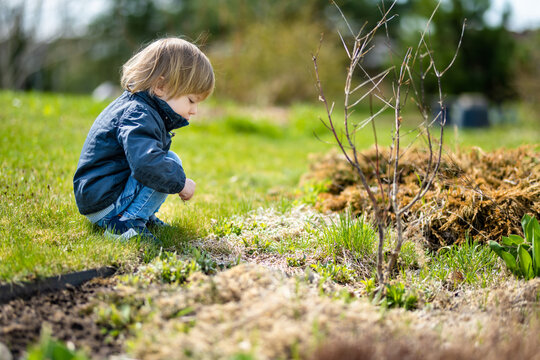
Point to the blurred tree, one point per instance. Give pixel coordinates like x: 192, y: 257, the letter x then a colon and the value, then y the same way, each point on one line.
x: 265, y: 56
x: 485, y: 62
x: 115, y: 35
x: 270, y: 41
x: 527, y: 75
x: 266, y: 40
x: 24, y: 46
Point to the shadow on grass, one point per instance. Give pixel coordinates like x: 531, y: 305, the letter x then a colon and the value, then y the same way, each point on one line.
x: 175, y: 238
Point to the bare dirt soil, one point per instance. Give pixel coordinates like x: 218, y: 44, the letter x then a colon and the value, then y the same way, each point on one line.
x: 65, y: 312
x: 482, y: 195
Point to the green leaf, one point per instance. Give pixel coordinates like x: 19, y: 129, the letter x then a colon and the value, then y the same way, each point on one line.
x: 512, y: 240
x: 527, y: 225
x: 531, y: 229
x: 536, y: 247
x: 496, y: 247
x: 526, y: 246
x: 509, y: 260
x: 535, y: 227
x: 525, y: 263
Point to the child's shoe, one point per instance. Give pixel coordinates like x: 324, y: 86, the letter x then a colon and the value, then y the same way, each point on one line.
x: 126, y: 229
x: 154, y: 221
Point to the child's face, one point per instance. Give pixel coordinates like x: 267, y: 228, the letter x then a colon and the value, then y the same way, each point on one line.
x: 185, y: 105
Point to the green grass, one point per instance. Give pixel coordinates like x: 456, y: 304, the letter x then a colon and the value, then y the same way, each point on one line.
x: 239, y: 163
x: 354, y: 235
x: 468, y: 263
x: 354, y: 241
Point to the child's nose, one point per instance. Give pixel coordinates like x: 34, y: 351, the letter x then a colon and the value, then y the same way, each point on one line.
x: 194, y: 109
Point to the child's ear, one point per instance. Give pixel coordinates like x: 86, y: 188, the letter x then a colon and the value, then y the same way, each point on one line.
x: 159, y: 91
x: 159, y: 88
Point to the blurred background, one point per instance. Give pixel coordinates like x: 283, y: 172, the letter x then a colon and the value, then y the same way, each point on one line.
x: 261, y: 50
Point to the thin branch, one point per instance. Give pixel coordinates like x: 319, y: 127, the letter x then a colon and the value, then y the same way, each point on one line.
x: 370, y: 80
x: 386, y: 102
x: 363, y: 123
x: 321, y: 140
x: 377, y: 164
x: 344, y: 45
x: 367, y: 93
x: 426, y: 28
x: 457, y: 49
x: 344, y: 18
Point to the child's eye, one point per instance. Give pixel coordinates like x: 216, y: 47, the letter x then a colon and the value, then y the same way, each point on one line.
x: 191, y: 101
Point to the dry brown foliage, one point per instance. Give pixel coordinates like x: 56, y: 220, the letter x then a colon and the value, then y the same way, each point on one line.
x: 497, y: 346
x: 250, y: 309
x: 482, y: 194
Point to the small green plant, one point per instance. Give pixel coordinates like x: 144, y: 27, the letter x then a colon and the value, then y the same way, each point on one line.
x: 370, y: 286
x: 521, y: 255
x: 224, y: 228
x: 408, y: 256
x: 338, y: 273
x: 256, y: 244
x: 115, y: 319
x: 259, y: 225
x: 171, y: 269
x: 205, y: 262
x: 309, y: 193
x: 48, y: 348
x: 396, y: 296
x: 296, y: 261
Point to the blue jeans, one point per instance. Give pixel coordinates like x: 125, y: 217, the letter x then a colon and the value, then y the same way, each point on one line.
x: 137, y: 201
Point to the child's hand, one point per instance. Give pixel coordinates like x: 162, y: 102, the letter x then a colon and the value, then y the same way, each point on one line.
x: 188, y: 190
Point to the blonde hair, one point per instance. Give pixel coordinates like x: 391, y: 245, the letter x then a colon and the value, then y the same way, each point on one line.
x: 173, y: 64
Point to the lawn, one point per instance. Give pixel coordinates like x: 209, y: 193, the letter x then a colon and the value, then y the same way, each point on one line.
x: 241, y: 158
x: 238, y: 164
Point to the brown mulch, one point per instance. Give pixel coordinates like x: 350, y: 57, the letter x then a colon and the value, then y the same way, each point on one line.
x: 428, y: 347
x: 478, y: 194
x: 21, y: 320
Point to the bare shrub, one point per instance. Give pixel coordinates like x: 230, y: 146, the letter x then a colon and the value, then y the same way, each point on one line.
x: 406, y: 80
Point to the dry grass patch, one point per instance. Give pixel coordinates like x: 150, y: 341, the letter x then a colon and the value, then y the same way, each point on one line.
x: 263, y: 313
x: 482, y: 194
x: 268, y: 237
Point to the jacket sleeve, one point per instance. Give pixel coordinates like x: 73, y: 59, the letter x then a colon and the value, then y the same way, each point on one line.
x: 143, y: 145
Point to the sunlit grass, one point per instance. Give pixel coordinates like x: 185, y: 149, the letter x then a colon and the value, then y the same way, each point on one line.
x: 238, y: 165
x: 470, y: 263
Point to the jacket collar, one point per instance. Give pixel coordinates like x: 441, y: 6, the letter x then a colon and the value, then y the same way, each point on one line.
x: 171, y: 119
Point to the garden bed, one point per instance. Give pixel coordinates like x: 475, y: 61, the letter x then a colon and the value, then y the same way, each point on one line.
x: 68, y: 315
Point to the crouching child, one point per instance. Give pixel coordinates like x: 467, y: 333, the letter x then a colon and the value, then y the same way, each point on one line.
x: 126, y: 168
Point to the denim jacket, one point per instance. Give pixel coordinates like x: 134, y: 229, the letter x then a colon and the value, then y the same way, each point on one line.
x: 131, y: 137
